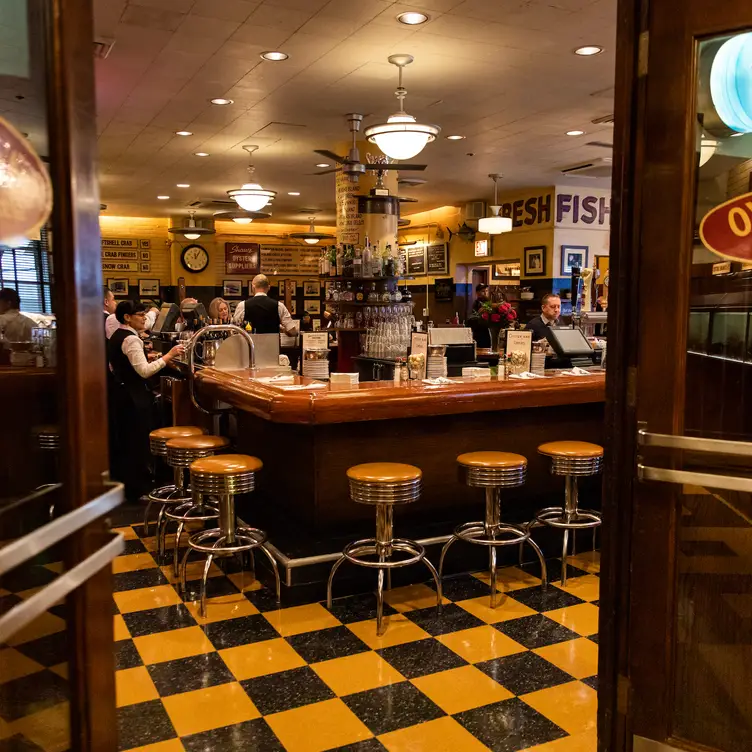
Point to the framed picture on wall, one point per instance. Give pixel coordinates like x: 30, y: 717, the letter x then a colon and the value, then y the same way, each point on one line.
x: 311, y: 288
x: 282, y: 288
x: 573, y: 257
x: 119, y: 287
x: 508, y: 269
x: 444, y: 290
x: 148, y: 288
x: 293, y: 307
x: 313, y: 307
x: 232, y: 288
x: 535, y: 261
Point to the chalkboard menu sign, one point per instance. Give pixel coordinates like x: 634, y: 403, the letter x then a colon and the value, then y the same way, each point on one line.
x: 416, y: 260
x: 437, y: 258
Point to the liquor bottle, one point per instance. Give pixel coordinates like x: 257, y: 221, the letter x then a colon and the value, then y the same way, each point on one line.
x: 385, y: 296
x: 373, y: 296
x: 325, y: 262
x: 332, y: 261
x: 335, y: 293
x: 340, y: 260
x: 396, y: 295
x: 359, y: 294
x: 349, y: 294
x: 367, y: 259
x: 389, y: 270
x: 348, y: 260
x: 376, y: 260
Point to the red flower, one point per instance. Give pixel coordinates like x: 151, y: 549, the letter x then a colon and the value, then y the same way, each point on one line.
x: 505, y: 307
x: 484, y: 315
x: 512, y: 315
x: 495, y: 317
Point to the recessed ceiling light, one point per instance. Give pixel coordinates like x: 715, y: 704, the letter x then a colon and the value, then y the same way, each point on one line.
x: 201, y: 154
x: 455, y: 138
x: 274, y: 56
x: 588, y: 50
x: 575, y: 133
x: 183, y: 133
x: 163, y: 198
x: 293, y: 193
x: 323, y: 164
x: 221, y: 101
x: 412, y: 18
x: 183, y: 185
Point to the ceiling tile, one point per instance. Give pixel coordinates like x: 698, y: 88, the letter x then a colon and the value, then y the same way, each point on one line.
x: 268, y: 37
x: 312, y: 5
x: 152, y: 18
x: 202, y: 26
x: 279, y: 18
x: 229, y: 10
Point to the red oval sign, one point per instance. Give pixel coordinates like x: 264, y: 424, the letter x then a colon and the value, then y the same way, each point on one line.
x: 727, y: 229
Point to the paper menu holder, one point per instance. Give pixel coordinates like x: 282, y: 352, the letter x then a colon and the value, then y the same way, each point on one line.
x: 315, y: 341
x: 419, y: 346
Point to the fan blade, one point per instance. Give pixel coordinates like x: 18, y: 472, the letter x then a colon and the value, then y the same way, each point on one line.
x: 326, y: 172
x: 395, y: 166
x: 331, y: 155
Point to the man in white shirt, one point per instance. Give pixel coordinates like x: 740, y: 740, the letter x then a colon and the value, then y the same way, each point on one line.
x: 14, y: 326
x: 109, y: 303
x: 261, y: 314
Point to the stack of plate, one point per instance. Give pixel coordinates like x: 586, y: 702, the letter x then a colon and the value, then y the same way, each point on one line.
x: 316, y: 364
x: 435, y: 367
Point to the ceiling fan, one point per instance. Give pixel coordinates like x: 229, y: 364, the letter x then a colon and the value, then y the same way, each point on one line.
x: 351, y: 164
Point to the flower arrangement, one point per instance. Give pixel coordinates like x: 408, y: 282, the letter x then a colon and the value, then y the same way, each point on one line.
x: 498, y: 314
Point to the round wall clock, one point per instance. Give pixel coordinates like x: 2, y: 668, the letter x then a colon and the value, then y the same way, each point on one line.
x: 195, y: 258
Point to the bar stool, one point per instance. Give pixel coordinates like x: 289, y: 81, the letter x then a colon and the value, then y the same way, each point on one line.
x: 181, y: 452
x: 158, y: 445
x: 225, y: 476
x: 493, y: 471
x: 572, y: 459
x: 384, y: 485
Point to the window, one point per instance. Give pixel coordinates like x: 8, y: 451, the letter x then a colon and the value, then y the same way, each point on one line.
x: 26, y: 268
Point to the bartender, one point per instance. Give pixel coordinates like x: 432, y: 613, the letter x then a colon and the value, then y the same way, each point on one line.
x: 133, y: 411
x: 549, y: 316
x: 264, y: 315
x: 109, y: 304
x: 14, y: 326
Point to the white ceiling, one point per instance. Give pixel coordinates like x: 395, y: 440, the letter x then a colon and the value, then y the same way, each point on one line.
x: 500, y: 72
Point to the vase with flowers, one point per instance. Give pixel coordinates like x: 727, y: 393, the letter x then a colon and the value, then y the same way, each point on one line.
x: 499, y: 316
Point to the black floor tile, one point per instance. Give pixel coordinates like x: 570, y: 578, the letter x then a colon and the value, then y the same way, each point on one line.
x: 128, y: 514
x: 286, y: 690
x: 32, y: 693
x: 244, y: 630
x: 266, y: 599
x: 593, y: 638
x: 325, y: 644
x: 142, y: 724
x: 451, y: 618
x: 358, y: 608
x: 140, y: 530
x: 596, y: 603
x: 591, y: 681
x: 49, y: 650
x: 369, y: 745
x: 142, y: 578
x: 535, y: 631
x: 18, y: 743
x: 154, y: 620
x: 134, y: 547
x: 25, y: 577
x: 545, y: 600
x: 250, y: 736
x: 524, y: 672
x: 420, y: 658
x: 462, y: 587
x: 393, y: 707
x: 509, y: 726
x: 188, y: 674
x: 215, y: 586
x: 8, y: 601
x: 553, y: 569
x: 126, y: 655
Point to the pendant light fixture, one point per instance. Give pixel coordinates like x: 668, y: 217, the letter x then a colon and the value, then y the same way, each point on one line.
x: 241, y: 217
x: 251, y: 196
x: 401, y: 137
x: 495, y: 224
x: 191, y: 231
x: 311, y: 237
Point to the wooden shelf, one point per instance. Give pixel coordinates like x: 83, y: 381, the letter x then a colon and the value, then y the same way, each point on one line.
x: 358, y: 279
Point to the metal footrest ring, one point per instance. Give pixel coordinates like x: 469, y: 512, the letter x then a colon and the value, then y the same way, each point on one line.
x: 193, y: 513
x: 577, y: 520
x: 246, y: 538
x: 166, y: 495
x: 368, y: 547
x: 473, y: 532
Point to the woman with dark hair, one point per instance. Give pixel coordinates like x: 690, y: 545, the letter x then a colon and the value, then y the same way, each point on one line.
x: 133, y: 401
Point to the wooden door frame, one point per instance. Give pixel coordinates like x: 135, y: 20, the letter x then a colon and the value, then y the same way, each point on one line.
x: 653, y: 160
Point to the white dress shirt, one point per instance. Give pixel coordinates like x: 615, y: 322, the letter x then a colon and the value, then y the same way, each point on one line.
x: 111, y: 325
x: 16, y: 327
x: 133, y: 349
x: 286, y: 322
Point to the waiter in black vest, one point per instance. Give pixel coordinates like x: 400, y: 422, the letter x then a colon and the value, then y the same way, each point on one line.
x: 266, y: 316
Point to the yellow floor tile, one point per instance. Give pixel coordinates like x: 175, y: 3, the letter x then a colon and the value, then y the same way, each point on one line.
x: 572, y: 706
x: 194, y: 571
x: 5, y: 729
x: 261, y: 658
x: 174, y: 644
x: 441, y: 735
x: 128, y: 533
x: 357, y: 673
x: 142, y: 599
x: 43, y: 625
x: 582, y: 618
x: 411, y: 598
x: 222, y: 607
x: 56, y: 567
x: 133, y: 685
x: 507, y: 609
x: 317, y: 727
x: 245, y: 582
x: 133, y: 563
x: 509, y: 579
x: 587, y: 588
x: 480, y: 644
x: 61, y: 670
x: 587, y: 742
x: 14, y: 665
x: 590, y: 561
x: 577, y: 657
x: 399, y: 630
x: 48, y: 729
x: 26, y: 594
x: 120, y: 628
x: 210, y: 708
x: 299, y: 619
x: 461, y: 689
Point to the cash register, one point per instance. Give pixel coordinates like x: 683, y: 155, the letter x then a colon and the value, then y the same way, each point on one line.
x: 571, y: 347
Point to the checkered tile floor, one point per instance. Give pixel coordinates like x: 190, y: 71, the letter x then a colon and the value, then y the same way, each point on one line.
x: 303, y: 678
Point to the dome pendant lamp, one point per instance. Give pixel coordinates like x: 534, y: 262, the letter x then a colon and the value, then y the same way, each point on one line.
x: 401, y: 137
x: 311, y: 237
x: 251, y: 196
x: 191, y: 231
x: 495, y: 224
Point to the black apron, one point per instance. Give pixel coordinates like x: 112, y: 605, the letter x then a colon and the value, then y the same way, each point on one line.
x: 262, y: 313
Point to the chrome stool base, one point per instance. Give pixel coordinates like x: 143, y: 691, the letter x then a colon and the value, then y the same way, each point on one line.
x: 164, y: 495
x: 190, y: 511
x: 240, y: 540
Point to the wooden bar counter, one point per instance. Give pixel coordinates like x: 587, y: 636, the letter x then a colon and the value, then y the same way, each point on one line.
x: 308, y: 438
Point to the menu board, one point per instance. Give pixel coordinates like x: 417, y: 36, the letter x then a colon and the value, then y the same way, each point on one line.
x: 437, y: 255
x: 416, y: 260
x: 290, y: 260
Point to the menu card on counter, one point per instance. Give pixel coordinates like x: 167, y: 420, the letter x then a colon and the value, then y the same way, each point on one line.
x: 419, y: 346
x: 315, y: 341
x: 519, y: 348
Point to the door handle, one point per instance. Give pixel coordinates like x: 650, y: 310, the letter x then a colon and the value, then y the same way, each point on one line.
x: 694, y: 444
x: 25, y: 612
x: 705, y: 480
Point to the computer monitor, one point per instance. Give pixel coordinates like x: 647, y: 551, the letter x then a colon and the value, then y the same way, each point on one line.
x: 193, y: 313
x: 168, y: 315
x: 569, y: 343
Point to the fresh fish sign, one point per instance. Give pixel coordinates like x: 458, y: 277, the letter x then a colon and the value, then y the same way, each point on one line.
x: 727, y: 229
